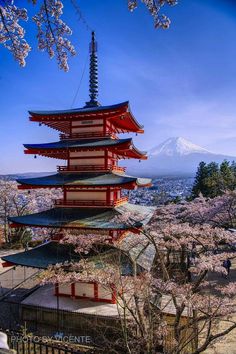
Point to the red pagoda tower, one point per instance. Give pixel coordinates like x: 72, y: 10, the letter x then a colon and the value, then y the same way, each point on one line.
x: 91, y: 180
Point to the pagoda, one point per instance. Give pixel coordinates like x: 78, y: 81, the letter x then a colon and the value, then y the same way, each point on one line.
x: 91, y: 180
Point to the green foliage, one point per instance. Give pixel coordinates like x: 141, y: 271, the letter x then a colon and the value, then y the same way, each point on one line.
x: 26, y: 237
x: 212, y: 179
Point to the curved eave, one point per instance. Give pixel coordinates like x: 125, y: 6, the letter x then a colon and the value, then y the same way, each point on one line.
x: 132, y: 153
x: 120, y: 115
x: 61, y: 120
x: 124, y: 148
x: 81, y: 144
x: 87, y: 181
x: 42, y: 256
x: 51, y: 253
x: 127, y: 123
x: 91, y: 219
x: 16, y: 222
x: 72, y: 219
x: 144, y: 182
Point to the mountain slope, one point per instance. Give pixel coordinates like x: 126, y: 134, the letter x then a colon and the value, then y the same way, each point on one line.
x: 177, y: 147
x: 175, y: 156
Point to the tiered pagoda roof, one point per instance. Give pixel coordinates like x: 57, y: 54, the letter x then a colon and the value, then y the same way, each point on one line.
x: 84, y: 180
x: 122, y: 147
x: 86, y: 218
x: 51, y: 253
x: 119, y: 115
x: 41, y: 257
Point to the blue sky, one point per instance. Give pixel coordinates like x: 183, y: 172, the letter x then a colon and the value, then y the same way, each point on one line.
x: 180, y: 82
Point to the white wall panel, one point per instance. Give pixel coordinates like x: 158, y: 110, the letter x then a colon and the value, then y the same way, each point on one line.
x: 83, y: 289
x: 64, y: 289
x: 104, y: 293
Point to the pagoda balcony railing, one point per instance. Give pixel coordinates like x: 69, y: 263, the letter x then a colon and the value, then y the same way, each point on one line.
x: 88, y: 135
x: 90, y: 203
x: 89, y: 168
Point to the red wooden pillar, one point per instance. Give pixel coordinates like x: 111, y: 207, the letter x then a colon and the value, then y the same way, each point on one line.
x: 56, y: 289
x: 110, y: 240
x: 106, y: 159
x: 70, y: 127
x: 95, y: 291
x: 108, y: 196
x: 68, y: 159
x: 114, y: 295
x: 114, y: 160
x: 73, y: 290
x: 64, y: 194
x: 104, y: 126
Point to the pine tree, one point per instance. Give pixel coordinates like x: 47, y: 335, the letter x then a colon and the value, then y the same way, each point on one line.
x: 212, y: 183
x: 198, y: 186
x: 228, y: 177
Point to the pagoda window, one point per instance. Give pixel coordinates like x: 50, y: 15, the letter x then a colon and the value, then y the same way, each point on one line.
x: 87, y: 162
x: 86, y: 153
x: 86, y: 195
x: 79, y: 123
x: 88, y: 129
x: 86, y: 126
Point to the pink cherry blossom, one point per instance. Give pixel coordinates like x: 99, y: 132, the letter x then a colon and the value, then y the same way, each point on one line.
x: 11, y: 32
x: 52, y: 32
x: 154, y: 7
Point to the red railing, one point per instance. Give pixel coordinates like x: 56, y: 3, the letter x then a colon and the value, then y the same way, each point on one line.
x: 87, y: 168
x: 90, y: 203
x: 88, y: 135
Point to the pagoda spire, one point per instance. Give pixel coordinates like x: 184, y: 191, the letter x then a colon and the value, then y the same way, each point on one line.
x: 93, y: 74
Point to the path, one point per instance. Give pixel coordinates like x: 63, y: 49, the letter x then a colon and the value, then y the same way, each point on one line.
x: 226, y: 345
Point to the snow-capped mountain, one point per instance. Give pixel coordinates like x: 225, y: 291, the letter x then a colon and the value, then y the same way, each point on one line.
x: 175, y: 156
x: 177, y: 146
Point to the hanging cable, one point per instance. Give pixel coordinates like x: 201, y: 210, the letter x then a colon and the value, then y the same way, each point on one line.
x: 80, y: 82
x: 82, y: 19
x: 80, y: 15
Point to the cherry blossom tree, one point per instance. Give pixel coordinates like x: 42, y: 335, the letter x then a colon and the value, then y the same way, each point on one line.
x: 53, y: 32
x: 185, y: 283
x: 154, y: 7
x: 218, y: 211
x: 15, y: 202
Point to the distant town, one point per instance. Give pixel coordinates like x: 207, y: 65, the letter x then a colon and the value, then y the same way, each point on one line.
x: 163, y: 190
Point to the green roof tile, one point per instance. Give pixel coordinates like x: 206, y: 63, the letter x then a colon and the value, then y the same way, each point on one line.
x: 52, y: 253
x: 90, y: 218
x: 84, y: 179
x: 78, y: 143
